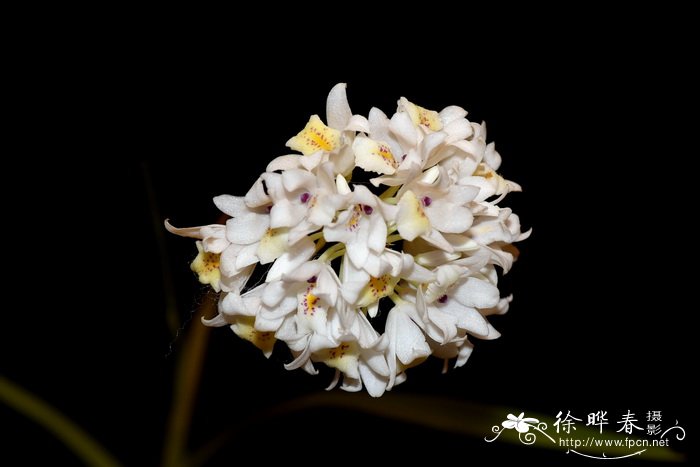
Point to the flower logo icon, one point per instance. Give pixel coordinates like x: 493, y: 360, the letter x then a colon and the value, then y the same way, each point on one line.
x: 522, y: 425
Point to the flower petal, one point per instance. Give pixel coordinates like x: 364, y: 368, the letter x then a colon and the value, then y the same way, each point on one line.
x: 234, y: 206
x: 448, y: 217
x: 402, y: 126
x: 338, y: 111
x: 473, y: 292
x: 420, y: 116
x: 297, y: 254
x: 451, y: 113
x: 315, y: 137
x: 247, y: 229
x: 411, y: 221
x: 374, y: 156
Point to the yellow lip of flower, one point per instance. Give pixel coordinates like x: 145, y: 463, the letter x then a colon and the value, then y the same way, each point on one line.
x: 206, y: 265
x: 314, y: 137
x: 422, y: 116
x: 272, y: 245
x: 374, y: 156
x: 244, y: 328
x: 344, y: 358
x: 376, y: 288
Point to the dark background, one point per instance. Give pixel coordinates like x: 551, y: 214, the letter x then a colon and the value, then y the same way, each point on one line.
x: 600, y: 316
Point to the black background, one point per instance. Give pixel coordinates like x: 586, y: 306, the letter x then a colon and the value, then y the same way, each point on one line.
x: 591, y: 131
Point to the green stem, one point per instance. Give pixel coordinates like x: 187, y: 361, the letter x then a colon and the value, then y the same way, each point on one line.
x: 77, y: 440
x: 395, y: 298
x: 187, y: 376
x: 326, y: 256
x: 394, y: 238
x: 316, y: 236
x: 320, y: 244
x: 389, y: 192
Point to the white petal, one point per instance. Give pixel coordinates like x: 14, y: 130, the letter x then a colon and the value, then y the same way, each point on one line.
x: 216, y: 322
x: 375, y: 384
x: 457, y: 130
x: 190, y: 232
x: 274, y: 293
x: 414, y: 272
x: 402, y: 126
x: 256, y: 196
x: 435, y: 258
x: 351, y: 384
x: 465, y: 352
x: 338, y: 111
x: 436, y: 239
x: 312, y: 161
x: 379, y: 130
x: 358, y: 253
x: 377, y: 234
x: 342, y: 185
x: 286, y: 214
x: 247, y: 256
x: 247, y: 229
x: 474, y: 292
x: 408, y: 340
x: 448, y: 217
x: 411, y: 221
x: 431, y: 143
x: 445, y: 322
x: 232, y: 304
x: 227, y: 260
x: 358, y: 123
x: 292, y: 259
x: 294, y: 179
x: 491, y: 156
x: 214, y: 238
x: 468, y: 318
x: 234, y: 206
x: 289, y: 161
x: 451, y: 113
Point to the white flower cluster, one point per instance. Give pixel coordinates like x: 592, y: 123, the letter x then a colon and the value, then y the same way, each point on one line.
x: 424, y: 237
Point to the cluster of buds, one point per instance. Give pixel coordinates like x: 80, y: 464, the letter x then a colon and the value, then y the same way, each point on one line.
x: 371, y: 276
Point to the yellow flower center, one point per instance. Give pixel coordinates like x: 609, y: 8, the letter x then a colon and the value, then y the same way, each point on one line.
x: 309, y: 301
x: 376, y: 288
x: 354, y: 221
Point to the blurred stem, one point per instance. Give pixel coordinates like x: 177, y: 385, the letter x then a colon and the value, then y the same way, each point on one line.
x: 187, y: 375
x: 77, y: 440
x: 389, y: 192
x: 171, y: 313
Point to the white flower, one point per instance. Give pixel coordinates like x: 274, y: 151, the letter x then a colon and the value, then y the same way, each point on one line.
x: 423, y: 248
x: 363, y: 229
x: 303, y: 201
